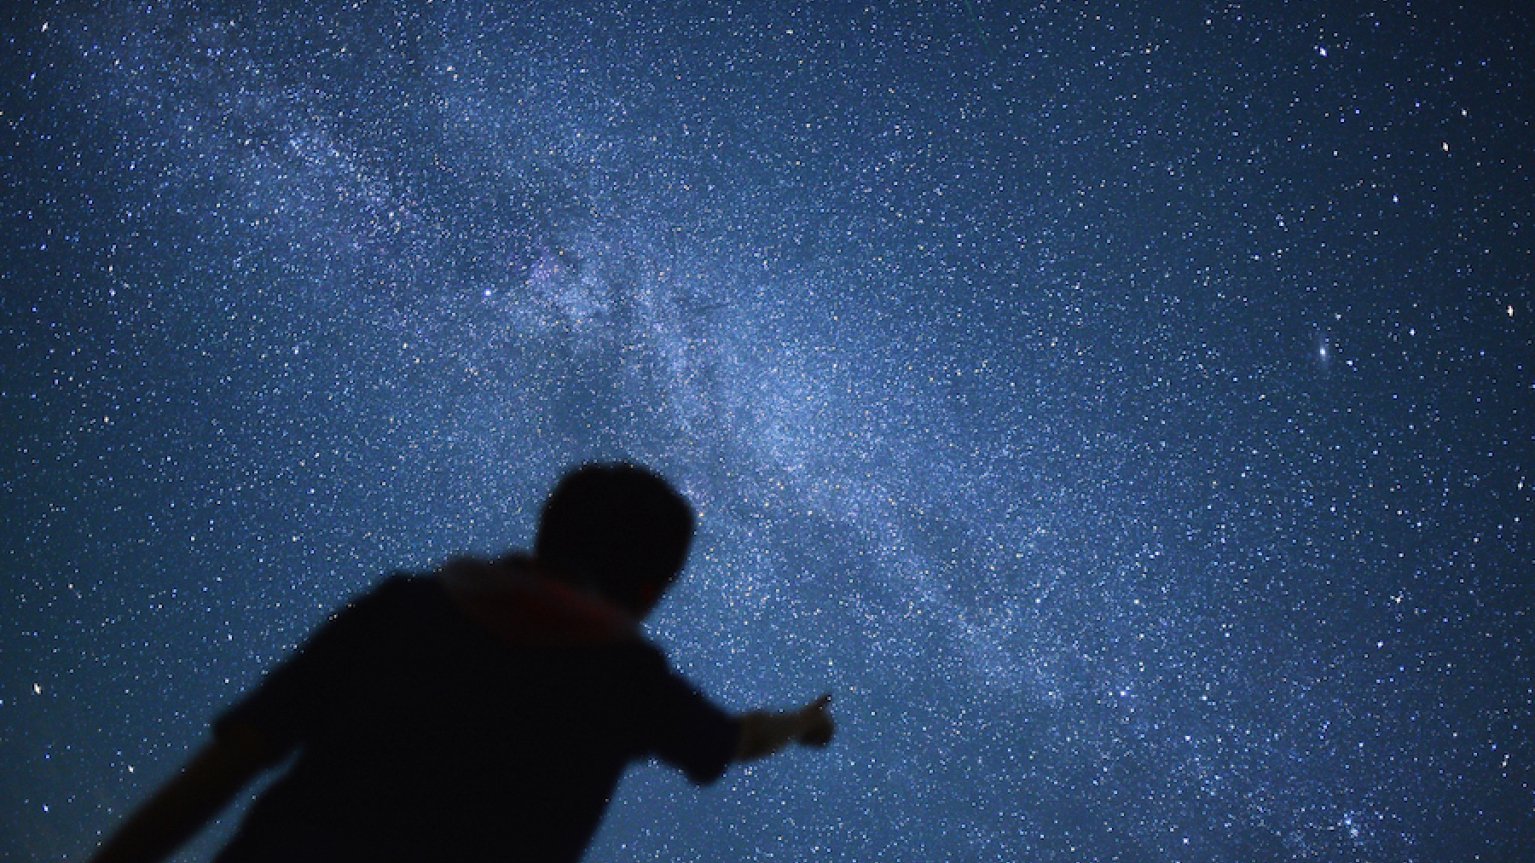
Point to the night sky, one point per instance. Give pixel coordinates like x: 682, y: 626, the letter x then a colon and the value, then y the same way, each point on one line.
x: 1128, y: 416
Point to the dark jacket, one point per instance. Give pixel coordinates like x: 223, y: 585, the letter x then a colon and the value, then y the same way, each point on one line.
x: 482, y: 713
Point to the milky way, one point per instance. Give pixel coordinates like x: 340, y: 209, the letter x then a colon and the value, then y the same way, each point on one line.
x: 1127, y: 418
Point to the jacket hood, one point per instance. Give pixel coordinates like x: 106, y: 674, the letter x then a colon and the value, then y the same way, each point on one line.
x: 521, y: 604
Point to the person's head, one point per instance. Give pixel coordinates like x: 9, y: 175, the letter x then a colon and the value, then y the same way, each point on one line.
x: 617, y: 529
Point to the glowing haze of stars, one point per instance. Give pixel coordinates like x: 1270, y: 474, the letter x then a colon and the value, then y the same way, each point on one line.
x: 1126, y: 416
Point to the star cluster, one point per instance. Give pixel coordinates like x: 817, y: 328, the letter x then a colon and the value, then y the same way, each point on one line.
x: 1124, y: 413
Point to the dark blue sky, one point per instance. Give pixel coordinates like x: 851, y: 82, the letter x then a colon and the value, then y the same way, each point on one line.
x: 1126, y: 415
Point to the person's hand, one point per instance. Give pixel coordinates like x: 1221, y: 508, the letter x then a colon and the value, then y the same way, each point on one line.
x: 816, y: 723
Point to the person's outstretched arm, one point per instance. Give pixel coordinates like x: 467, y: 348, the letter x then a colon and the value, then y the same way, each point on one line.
x: 189, y: 799
x: 764, y: 732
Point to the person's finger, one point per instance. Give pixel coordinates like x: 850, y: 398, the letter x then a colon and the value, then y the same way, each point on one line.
x: 818, y: 734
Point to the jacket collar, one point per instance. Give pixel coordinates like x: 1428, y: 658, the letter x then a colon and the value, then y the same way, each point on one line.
x: 523, y: 604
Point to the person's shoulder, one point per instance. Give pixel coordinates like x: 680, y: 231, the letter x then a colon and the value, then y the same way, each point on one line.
x: 399, y: 591
x: 644, y: 656
x: 645, y: 649
x: 407, y: 582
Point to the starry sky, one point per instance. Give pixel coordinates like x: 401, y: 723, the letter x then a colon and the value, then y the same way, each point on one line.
x: 1125, y: 413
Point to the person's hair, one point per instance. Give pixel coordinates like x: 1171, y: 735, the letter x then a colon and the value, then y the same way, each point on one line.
x: 618, y: 529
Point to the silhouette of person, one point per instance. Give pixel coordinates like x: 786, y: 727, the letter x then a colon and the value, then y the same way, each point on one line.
x: 485, y: 711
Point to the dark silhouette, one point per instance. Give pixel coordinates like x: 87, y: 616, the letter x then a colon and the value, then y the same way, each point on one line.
x: 484, y: 711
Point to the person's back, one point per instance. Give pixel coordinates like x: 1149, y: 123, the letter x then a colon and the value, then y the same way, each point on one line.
x: 442, y: 737
x: 482, y: 712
